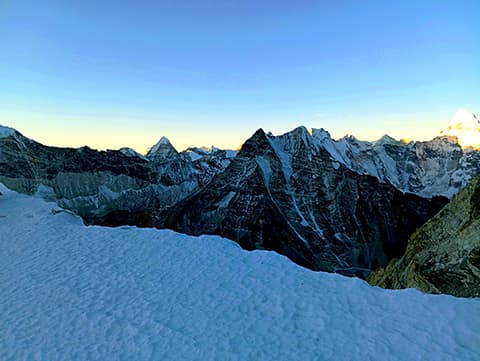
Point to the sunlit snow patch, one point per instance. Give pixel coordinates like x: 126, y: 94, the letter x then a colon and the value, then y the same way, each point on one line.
x: 466, y: 127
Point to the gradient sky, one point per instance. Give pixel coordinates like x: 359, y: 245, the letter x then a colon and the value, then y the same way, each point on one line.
x: 123, y: 73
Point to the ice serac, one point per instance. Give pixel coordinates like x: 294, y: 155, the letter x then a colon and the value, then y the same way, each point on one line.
x: 286, y: 193
x: 443, y: 256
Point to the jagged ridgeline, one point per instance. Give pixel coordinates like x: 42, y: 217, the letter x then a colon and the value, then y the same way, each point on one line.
x: 95, y: 183
x: 337, y: 205
x: 289, y: 194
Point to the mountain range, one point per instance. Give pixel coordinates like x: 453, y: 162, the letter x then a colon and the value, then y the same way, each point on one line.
x: 345, y: 205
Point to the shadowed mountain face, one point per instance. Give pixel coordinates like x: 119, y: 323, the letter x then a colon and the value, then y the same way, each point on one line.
x: 291, y: 193
x: 443, y: 256
x: 288, y: 194
x: 95, y: 183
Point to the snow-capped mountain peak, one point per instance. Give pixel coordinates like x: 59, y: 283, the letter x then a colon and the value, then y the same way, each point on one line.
x: 386, y: 139
x: 163, y: 146
x: 466, y: 127
x: 131, y: 152
x: 320, y: 134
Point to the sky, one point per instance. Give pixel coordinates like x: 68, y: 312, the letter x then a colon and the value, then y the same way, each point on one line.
x: 124, y: 73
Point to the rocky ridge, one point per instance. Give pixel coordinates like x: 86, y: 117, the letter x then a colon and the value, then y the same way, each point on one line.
x: 288, y: 194
x: 337, y: 205
x: 437, y: 167
x: 443, y: 256
x: 94, y: 183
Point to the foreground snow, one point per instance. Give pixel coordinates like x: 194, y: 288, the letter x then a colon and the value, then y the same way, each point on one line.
x: 70, y: 292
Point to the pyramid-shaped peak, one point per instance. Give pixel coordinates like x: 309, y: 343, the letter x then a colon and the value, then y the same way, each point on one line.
x: 386, y: 139
x: 162, y: 148
x: 163, y: 141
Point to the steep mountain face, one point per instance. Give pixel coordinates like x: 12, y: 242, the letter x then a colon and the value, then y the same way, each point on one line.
x: 94, y: 183
x: 173, y: 170
x: 437, y: 167
x: 443, y: 256
x: 336, y: 205
x: 289, y: 194
x: 207, y: 162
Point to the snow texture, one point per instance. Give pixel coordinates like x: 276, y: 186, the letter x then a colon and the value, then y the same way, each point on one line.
x: 71, y: 292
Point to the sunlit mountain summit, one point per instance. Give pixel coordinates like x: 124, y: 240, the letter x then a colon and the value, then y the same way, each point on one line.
x: 466, y: 127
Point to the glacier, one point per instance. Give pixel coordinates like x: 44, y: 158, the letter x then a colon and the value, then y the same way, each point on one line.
x: 72, y: 292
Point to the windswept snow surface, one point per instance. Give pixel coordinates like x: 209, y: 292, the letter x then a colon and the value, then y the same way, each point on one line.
x: 71, y: 292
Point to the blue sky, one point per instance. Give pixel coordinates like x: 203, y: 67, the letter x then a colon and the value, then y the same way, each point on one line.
x: 113, y: 73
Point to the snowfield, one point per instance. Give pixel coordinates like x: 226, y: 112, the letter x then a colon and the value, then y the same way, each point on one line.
x: 71, y: 292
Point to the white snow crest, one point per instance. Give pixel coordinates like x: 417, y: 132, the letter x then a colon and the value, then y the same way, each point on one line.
x: 131, y: 153
x: 6, y: 131
x: 162, y: 142
x: 71, y: 292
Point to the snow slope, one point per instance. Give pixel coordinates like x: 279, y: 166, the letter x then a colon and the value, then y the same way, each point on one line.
x: 70, y: 292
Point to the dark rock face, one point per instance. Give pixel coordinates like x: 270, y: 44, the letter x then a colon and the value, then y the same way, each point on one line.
x: 443, y: 256
x: 287, y: 194
x: 94, y: 183
x: 290, y: 193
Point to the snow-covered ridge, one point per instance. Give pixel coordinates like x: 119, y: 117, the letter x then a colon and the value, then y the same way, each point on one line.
x: 131, y: 153
x: 196, y: 153
x: 441, y: 166
x: 6, y: 131
x: 93, y: 293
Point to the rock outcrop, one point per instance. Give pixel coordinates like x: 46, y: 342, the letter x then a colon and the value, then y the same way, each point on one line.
x: 288, y: 194
x: 443, y: 256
